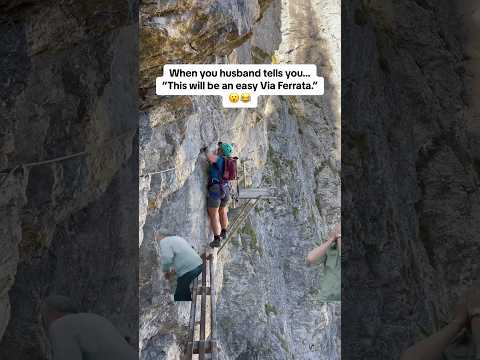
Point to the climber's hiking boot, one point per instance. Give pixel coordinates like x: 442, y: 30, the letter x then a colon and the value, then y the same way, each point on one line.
x: 216, y: 241
x: 223, y: 234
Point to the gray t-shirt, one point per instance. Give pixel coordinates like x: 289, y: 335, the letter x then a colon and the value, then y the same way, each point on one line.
x: 85, y: 336
x: 176, y: 252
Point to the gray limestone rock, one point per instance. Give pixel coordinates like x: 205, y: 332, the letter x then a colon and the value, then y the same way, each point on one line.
x: 416, y: 249
x: 267, y: 306
x: 68, y: 97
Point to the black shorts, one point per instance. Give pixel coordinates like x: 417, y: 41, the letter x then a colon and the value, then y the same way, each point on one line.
x: 218, y: 196
x: 182, y: 292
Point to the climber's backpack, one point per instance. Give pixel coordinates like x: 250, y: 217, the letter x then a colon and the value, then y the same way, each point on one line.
x: 230, y: 168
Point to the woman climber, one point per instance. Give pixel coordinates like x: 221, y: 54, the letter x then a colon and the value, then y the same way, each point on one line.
x: 222, y: 168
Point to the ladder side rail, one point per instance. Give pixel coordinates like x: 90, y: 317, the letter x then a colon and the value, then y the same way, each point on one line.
x: 241, y: 218
x: 193, y: 310
x: 244, y: 209
x: 213, y: 316
x: 201, y: 348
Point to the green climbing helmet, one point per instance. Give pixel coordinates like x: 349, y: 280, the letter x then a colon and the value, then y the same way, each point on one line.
x: 227, y: 149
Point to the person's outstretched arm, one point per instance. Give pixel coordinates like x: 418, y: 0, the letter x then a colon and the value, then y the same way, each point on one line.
x: 320, y: 251
x: 432, y: 347
x: 212, y: 156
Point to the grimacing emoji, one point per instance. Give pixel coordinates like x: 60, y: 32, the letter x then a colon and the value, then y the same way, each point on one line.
x: 245, y: 97
x: 233, y: 97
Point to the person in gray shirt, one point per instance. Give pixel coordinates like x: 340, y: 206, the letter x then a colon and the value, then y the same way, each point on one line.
x: 178, y: 257
x: 82, y: 336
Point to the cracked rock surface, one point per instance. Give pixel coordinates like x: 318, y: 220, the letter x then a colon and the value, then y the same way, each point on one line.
x: 414, y: 148
x: 267, y: 305
x: 68, y: 89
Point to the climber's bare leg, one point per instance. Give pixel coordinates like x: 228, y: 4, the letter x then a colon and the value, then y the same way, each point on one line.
x: 223, y: 212
x: 214, y: 220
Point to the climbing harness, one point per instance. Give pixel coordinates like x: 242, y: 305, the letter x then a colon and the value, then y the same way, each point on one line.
x: 217, y: 195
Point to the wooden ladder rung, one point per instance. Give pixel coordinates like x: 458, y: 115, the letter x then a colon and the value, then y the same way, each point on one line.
x: 196, y: 346
x: 205, y: 347
x: 207, y: 290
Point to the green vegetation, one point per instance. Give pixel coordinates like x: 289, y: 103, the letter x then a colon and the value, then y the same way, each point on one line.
x: 270, y: 309
x: 318, y: 203
x: 254, y: 246
x: 283, y: 342
x: 260, y: 56
x: 275, y: 161
x: 295, y: 212
x: 267, y: 179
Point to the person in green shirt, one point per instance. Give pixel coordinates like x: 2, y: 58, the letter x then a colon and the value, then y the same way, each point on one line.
x: 178, y: 257
x: 330, y: 277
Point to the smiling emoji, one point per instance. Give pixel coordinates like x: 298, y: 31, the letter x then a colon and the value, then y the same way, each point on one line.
x: 245, y: 97
x: 233, y: 97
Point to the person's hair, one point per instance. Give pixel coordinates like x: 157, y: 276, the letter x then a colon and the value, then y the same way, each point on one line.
x: 161, y: 231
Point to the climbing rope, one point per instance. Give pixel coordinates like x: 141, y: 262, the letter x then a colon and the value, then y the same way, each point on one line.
x: 187, y: 160
x: 61, y: 158
x: 167, y: 170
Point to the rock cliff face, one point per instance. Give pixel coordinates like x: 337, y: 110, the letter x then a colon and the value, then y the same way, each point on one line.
x: 68, y: 94
x: 267, y: 303
x: 408, y: 99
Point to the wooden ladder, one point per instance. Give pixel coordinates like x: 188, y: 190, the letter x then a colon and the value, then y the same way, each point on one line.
x: 205, y: 348
x: 252, y: 197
